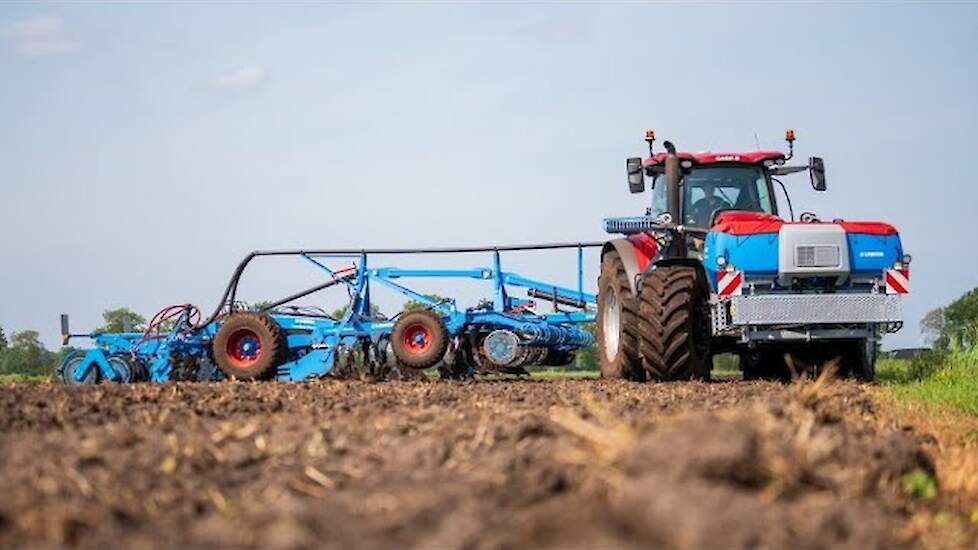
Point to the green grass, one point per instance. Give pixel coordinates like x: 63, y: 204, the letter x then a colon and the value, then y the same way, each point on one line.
x: 5, y: 378
x: 946, y: 379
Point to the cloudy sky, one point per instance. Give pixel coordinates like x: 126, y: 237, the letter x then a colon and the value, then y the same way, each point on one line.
x: 145, y: 148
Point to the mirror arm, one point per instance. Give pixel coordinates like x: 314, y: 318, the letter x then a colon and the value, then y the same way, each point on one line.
x: 785, y: 170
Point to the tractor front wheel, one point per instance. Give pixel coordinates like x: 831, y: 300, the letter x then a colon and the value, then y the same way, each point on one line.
x: 617, y: 322
x: 859, y: 360
x: 674, y: 328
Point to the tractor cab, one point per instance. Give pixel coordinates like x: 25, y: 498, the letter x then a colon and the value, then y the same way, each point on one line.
x: 712, y: 183
x: 710, y: 189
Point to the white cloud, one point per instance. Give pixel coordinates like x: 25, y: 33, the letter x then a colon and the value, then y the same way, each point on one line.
x: 40, y: 36
x: 242, y: 78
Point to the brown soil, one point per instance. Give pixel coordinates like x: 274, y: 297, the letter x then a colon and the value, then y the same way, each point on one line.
x: 487, y: 464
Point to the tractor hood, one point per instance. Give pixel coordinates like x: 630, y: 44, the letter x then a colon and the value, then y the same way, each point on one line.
x: 750, y: 223
x: 764, y: 245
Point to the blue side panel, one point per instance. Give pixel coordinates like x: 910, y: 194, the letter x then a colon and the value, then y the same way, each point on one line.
x: 755, y: 254
x: 873, y: 253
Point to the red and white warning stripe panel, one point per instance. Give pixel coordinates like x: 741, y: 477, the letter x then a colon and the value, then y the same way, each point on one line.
x: 897, y: 281
x: 730, y: 283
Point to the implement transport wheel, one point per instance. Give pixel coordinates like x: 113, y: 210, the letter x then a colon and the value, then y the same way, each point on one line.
x: 617, y: 322
x: 249, y: 346
x: 419, y: 339
x: 674, y: 327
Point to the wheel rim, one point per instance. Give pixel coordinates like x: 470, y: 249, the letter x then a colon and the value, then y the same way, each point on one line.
x: 417, y: 339
x: 243, y: 348
x: 611, y: 325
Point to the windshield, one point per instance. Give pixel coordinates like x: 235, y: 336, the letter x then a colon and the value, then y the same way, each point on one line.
x: 712, y: 188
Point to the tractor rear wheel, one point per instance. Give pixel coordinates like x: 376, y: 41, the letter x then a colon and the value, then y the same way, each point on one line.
x: 617, y: 322
x: 674, y: 329
x: 249, y: 346
x: 420, y: 339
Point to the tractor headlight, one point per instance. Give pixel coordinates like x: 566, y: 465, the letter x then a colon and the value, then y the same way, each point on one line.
x: 906, y: 259
x: 721, y: 261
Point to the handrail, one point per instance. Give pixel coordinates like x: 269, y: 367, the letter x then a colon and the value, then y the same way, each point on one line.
x: 232, y: 286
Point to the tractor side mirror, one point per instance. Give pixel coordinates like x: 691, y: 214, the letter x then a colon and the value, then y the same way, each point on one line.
x: 816, y: 168
x: 636, y: 175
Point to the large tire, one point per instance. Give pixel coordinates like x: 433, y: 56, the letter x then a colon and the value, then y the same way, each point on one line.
x: 674, y: 330
x: 419, y: 339
x: 859, y: 360
x: 766, y: 363
x: 617, y: 322
x: 249, y: 346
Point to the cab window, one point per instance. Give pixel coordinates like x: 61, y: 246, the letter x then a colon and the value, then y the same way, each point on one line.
x: 710, y: 189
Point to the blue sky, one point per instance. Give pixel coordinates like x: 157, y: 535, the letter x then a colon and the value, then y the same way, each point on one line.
x: 145, y: 148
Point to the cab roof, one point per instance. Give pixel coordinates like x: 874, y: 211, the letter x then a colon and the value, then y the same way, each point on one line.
x: 706, y: 157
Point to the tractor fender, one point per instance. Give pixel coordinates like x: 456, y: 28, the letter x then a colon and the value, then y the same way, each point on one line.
x: 629, y: 259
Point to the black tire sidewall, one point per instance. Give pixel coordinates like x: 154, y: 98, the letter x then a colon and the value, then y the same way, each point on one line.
x: 611, y: 281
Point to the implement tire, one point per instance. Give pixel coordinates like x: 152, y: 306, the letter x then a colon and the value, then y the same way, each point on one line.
x: 617, y: 323
x: 674, y: 331
x: 249, y: 346
x: 419, y: 339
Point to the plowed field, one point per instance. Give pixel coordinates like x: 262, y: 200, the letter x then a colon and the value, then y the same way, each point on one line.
x: 484, y: 464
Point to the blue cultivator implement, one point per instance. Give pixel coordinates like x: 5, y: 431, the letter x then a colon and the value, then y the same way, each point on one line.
x: 288, y: 342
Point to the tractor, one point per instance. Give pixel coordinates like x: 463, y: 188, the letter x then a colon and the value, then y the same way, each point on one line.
x: 716, y: 265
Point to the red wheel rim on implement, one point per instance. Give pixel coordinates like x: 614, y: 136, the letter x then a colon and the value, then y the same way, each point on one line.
x: 417, y: 339
x: 243, y: 348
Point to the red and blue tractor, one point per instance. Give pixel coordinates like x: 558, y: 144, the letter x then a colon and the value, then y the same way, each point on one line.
x: 716, y: 265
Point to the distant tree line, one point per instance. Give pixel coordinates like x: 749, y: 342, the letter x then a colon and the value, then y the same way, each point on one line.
x: 954, y: 326
x: 24, y: 353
